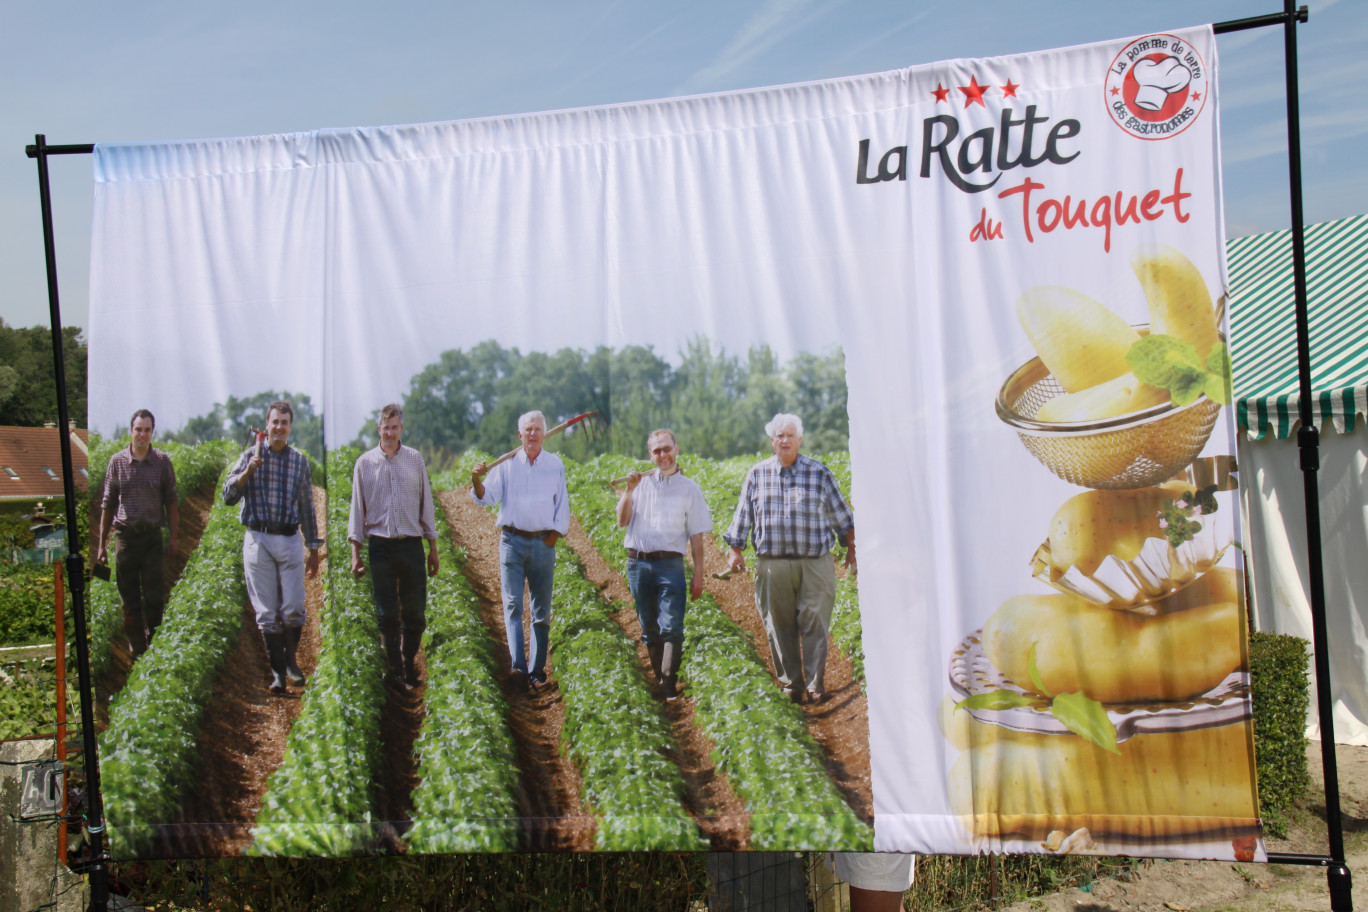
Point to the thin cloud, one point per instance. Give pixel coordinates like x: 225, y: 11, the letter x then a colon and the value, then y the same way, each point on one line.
x: 770, y: 24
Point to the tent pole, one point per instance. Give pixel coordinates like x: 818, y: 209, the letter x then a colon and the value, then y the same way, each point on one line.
x: 75, y: 564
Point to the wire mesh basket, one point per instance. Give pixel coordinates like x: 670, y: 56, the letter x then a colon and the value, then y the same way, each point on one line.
x: 1128, y: 451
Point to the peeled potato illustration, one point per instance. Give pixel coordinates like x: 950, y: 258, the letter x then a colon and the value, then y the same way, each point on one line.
x: 1159, y: 786
x: 1122, y: 657
x: 1179, y: 302
x: 1094, y: 525
x: 1080, y: 341
x: 1119, y: 396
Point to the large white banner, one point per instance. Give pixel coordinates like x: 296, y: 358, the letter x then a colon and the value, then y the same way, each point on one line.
x: 990, y: 288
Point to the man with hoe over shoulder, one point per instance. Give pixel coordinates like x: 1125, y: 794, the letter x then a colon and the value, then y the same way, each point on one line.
x: 534, y: 513
x: 274, y: 484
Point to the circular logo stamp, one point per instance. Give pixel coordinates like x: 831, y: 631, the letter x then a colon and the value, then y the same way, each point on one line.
x: 1156, y: 87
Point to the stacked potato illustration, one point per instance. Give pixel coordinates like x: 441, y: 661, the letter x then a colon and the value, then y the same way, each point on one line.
x: 1111, y: 709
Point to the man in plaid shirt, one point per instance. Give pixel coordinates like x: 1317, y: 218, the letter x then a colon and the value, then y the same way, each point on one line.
x: 275, y: 486
x: 140, y: 489
x: 793, y: 511
x: 392, y: 514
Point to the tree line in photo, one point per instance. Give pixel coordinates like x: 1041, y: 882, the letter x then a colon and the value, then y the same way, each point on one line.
x: 716, y: 402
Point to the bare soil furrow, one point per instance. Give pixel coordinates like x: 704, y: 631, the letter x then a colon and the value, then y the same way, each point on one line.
x: 553, y: 819
x: 720, y: 814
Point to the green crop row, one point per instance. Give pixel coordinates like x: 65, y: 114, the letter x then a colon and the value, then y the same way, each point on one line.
x: 760, y: 738
x: 613, y: 729
x: 195, y: 467
x: 467, y: 797
x: 317, y: 802
x: 149, y: 751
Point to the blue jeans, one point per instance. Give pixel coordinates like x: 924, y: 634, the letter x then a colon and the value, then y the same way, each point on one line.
x: 399, y: 575
x: 661, y: 595
x: 531, y: 561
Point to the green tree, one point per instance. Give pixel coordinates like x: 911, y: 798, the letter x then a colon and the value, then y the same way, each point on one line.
x: 640, y: 385
x: 234, y: 419
x: 819, y: 398
x: 704, y: 406
x: 27, y: 354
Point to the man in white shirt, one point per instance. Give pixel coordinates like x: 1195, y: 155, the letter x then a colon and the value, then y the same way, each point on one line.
x: 392, y: 514
x: 534, y: 513
x: 664, y: 514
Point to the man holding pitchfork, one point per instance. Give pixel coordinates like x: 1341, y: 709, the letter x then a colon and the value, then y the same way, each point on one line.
x: 275, y: 485
x: 530, y: 491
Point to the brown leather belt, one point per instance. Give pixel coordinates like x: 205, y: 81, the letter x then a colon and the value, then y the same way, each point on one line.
x: 634, y: 554
x: 271, y: 528
x: 521, y: 534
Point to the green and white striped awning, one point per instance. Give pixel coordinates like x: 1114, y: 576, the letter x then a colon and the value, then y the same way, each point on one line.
x: 1263, y: 335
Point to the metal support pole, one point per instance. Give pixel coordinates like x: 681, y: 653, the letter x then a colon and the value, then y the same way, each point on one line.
x: 1308, y: 441
x: 75, y: 565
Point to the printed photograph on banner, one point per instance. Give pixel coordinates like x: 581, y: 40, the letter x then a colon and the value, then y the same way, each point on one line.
x: 605, y: 410
x: 1095, y: 697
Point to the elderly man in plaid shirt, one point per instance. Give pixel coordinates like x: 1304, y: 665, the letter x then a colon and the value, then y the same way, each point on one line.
x: 792, y: 509
x: 275, y: 486
x: 392, y: 514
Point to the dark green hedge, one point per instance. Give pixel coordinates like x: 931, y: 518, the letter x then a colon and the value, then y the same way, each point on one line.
x: 1281, y: 694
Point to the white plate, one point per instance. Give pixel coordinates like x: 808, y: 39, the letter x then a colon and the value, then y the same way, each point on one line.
x: 972, y: 673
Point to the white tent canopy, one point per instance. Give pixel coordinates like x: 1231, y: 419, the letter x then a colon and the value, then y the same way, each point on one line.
x: 1264, y: 355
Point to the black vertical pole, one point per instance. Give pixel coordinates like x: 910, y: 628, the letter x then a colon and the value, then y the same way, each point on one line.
x: 75, y: 564
x: 1308, y: 443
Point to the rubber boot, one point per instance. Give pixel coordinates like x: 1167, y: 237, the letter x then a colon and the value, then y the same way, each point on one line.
x: 412, y: 640
x: 275, y: 654
x: 389, y: 638
x: 655, y: 650
x: 670, y: 655
x: 292, y: 671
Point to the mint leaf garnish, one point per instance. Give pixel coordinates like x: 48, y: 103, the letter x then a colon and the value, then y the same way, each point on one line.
x: 1087, y: 718
x: 1036, y: 680
x: 1170, y: 363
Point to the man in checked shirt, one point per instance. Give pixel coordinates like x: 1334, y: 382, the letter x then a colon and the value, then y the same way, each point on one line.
x: 275, y: 486
x: 392, y: 513
x: 792, y: 509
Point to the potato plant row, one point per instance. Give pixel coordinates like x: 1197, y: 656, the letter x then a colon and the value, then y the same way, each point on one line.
x: 149, y: 753
x: 613, y: 729
x: 760, y: 738
x: 467, y: 797
x: 195, y: 467
x: 318, y: 802
x: 846, y: 630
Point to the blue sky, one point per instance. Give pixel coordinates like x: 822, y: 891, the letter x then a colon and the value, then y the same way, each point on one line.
x: 100, y: 72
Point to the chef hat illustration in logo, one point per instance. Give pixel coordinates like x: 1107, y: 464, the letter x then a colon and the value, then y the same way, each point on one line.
x: 1156, y: 87
x: 1156, y: 80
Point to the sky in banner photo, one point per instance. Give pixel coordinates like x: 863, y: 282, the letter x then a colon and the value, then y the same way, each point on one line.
x: 86, y: 72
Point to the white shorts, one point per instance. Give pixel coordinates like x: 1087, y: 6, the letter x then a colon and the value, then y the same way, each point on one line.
x: 891, y: 872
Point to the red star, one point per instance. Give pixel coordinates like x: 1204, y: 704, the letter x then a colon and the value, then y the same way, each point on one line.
x: 973, y: 92
x: 1115, y: 90
x: 1009, y: 90
x: 1196, y: 96
x: 941, y: 93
